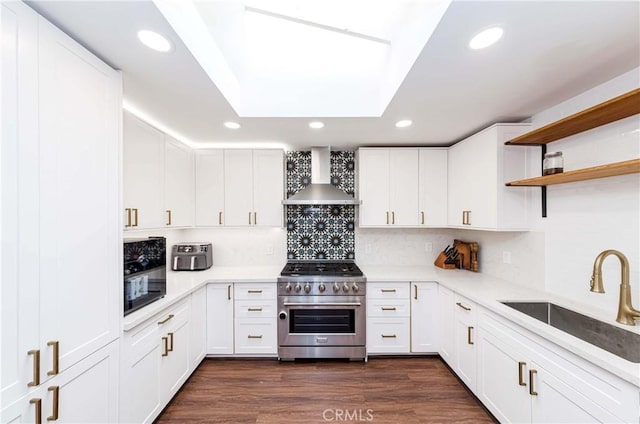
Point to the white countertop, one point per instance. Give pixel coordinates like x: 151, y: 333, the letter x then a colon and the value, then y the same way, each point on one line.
x: 484, y: 290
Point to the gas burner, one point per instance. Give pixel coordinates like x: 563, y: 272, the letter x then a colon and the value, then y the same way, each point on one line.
x: 323, y: 268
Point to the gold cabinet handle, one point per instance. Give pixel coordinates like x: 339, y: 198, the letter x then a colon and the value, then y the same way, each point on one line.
x: 56, y: 357
x: 135, y: 217
x: 466, y: 308
x: 229, y: 292
x: 469, y: 341
x: 388, y: 290
x: 165, y: 345
x: 164, y: 321
x: 220, y: 218
x: 38, y: 403
x: 128, y: 224
x: 415, y: 292
x: 249, y: 218
x: 388, y: 336
x: 36, y: 368
x: 532, y: 392
x: 422, y: 217
x: 254, y: 291
x: 387, y: 217
x: 255, y: 309
x: 393, y: 217
x: 170, y: 349
x: 56, y: 403
x: 255, y: 218
x: 254, y: 337
x: 521, y: 382
x: 392, y: 308
x: 168, y: 216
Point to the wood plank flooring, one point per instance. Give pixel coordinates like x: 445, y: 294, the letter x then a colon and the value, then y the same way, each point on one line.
x: 384, y: 390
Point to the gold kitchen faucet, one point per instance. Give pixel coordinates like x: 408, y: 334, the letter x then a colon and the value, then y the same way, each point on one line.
x: 626, y: 312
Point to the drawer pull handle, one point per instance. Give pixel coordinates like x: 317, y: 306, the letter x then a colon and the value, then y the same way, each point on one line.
x: 415, y: 291
x: 164, y: 321
x: 56, y: 357
x: 521, y: 382
x: 393, y: 217
x: 229, y: 292
x: 168, y: 216
x: 532, y: 392
x: 254, y: 337
x: 56, y: 402
x: 170, y: 342
x: 255, y: 309
x: 254, y: 291
x: 422, y: 221
x: 385, y: 308
x: 388, y: 290
x: 388, y: 336
x: 387, y: 218
x: 165, y: 345
x: 128, y: 224
x: 36, y: 368
x: 135, y: 217
x: 466, y: 308
x: 38, y: 403
x: 220, y: 218
x: 469, y: 341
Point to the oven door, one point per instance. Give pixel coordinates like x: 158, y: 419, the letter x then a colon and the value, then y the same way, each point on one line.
x: 321, y: 321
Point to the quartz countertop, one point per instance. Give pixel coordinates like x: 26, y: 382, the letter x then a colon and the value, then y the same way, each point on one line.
x: 485, y: 290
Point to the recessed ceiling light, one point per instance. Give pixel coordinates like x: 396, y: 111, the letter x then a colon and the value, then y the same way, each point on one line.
x: 316, y: 125
x: 154, y: 41
x: 404, y: 123
x: 232, y: 125
x: 486, y: 38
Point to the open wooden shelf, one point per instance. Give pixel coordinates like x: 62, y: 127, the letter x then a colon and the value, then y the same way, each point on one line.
x: 609, y: 170
x: 612, y: 110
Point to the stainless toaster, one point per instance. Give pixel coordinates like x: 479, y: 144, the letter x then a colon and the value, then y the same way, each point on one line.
x: 191, y: 256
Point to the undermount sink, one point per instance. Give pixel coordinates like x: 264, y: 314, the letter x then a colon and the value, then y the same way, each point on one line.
x: 622, y: 343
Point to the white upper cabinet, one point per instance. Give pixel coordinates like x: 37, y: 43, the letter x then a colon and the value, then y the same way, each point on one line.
x: 478, y: 168
x: 254, y: 187
x: 143, y: 156
x: 178, y: 184
x: 433, y: 187
x: 209, y: 188
x: 388, y: 181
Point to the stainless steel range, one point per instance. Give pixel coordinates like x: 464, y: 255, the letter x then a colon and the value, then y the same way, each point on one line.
x: 322, y: 310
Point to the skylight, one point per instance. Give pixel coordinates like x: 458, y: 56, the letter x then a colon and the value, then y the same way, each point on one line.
x: 293, y: 58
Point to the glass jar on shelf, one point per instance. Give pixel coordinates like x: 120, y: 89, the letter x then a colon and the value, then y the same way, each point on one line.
x: 553, y: 163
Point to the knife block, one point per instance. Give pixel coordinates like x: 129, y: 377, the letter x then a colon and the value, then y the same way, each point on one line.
x: 440, y: 262
x: 468, y: 255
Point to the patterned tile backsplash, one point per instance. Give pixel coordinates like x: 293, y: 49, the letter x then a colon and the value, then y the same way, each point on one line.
x: 320, y: 231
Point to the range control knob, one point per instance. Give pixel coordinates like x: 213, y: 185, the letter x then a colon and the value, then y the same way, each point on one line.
x: 321, y: 287
x: 298, y: 287
x: 355, y: 288
x: 345, y: 287
x: 307, y: 288
x: 288, y: 287
x: 336, y: 288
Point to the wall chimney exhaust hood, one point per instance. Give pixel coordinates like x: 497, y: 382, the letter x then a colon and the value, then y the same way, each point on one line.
x: 320, y: 191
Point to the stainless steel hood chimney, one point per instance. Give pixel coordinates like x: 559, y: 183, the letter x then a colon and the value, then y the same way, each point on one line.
x: 320, y: 191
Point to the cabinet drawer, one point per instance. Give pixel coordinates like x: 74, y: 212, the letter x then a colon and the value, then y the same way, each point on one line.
x: 388, y: 335
x: 465, y: 309
x: 256, y: 336
x: 390, y: 290
x: 246, y: 291
x: 388, y: 308
x: 255, y: 309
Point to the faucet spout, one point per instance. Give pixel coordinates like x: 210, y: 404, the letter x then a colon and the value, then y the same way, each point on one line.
x: 626, y: 312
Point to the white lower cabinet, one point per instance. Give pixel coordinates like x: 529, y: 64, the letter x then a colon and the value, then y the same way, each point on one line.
x: 388, y: 318
x: 464, y: 331
x: 198, y: 327
x: 220, y: 319
x: 446, y: 325
x: 424, y: 317
x: 523, y: 378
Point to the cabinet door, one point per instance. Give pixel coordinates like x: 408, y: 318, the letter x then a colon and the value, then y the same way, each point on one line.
x: 198, y: 328
x: 446, y: 326
x: 209, y: 187
x: 80, y: 244
x: 220, y: 319
x: 20, y: 214
x: 178, y: 184
x: 174, y: 364
x: 481, y: 168
x: 424, y: 317
x: 465, y: 339
x: 433, y: 187
x: 268, y: 187
x: 143, y: 174
x: 460, y: 158
x: 403, y: 187
x: 373, y: 185
x: 256, y: 336
x: 238, y: 187
x: 388, y: 335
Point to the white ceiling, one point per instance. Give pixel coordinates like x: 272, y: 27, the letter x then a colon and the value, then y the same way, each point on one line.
x: 550, y: 51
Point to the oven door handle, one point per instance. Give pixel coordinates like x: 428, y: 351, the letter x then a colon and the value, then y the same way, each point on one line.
x: 322, y: 304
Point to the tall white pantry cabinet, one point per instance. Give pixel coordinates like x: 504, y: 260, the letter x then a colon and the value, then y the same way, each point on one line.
x: 61, y: 243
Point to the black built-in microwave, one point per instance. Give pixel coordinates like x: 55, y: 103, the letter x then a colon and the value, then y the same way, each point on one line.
x: 145, y: 272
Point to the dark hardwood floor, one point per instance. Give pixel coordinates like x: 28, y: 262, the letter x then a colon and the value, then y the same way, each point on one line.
x: 384, y: 390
